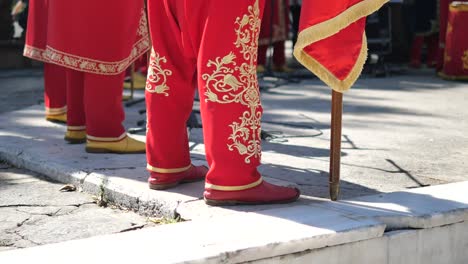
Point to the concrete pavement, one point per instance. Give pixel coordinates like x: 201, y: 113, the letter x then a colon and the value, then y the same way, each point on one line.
x: 34, y: 211
x: 399, y: 133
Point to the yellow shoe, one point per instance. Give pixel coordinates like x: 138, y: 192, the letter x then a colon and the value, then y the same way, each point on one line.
x: 61, y: 118
x: 261, y: 68
x: 139, y: 81
x: 75, y: 136
x: 127, y: 145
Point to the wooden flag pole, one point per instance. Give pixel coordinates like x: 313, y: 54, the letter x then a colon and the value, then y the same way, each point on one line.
x: 335, y: 144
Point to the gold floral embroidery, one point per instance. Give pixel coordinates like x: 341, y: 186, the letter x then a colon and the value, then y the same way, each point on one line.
x: 465, y: 60
x: 34, y: 53
x: 222, y: 85
x: 143, y: 24
x: 157, y: 76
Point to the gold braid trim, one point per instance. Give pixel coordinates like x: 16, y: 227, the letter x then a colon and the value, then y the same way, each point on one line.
x: 85, y: 64
x: 173, y: 170
x: 55, y: 111
x: 329, y: 28
x: 329, y: 78
x: 76, y: 128
x: 233, y: 188
x: 453, y: 78
x: 34, y: 53
x: 458, y: 6
x: 107, y: 139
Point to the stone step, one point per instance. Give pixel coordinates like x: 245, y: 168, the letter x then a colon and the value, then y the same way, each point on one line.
x: 417, y: 222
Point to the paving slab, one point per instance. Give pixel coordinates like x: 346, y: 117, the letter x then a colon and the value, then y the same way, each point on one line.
x: 35, y: 211
x: 418, y: 208
x: 225, y: 239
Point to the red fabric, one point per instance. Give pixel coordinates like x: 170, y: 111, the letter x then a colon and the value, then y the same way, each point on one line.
x: 416, y: 48
x: 36, y: 34
x: 276, y: 17
x: 102, y: 37
x: 141, y: 65
x: 331, y: 38
x: 199, y: 37
x: 54, y: 86
x: 75, y: 97
x: 100, y: 110
x: 443, y: 19
x: 339, y: 59
x: 456, y: 49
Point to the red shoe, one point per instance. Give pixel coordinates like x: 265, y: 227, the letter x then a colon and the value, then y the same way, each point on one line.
x: 265, y: 193
x: 162, y: 181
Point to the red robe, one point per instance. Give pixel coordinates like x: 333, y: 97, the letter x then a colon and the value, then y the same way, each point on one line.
x: 54, y: 76
x: 93, y: 36
x: 96, y: 41
x: 332, y: 42
x: 275, y: 17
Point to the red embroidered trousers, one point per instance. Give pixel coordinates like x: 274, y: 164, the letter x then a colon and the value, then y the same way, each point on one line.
x: 212, y: 45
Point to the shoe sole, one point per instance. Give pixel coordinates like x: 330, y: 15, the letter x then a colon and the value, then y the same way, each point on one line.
x: 56, y: 121
x: 237, y: 202
x: 160, y: 187
x: 75, y: 140
x: 101, y: 150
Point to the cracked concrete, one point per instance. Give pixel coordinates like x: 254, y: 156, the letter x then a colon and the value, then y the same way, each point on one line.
x: 33, y: 211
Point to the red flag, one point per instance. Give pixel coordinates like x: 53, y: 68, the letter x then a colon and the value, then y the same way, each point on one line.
x: 332, y: 42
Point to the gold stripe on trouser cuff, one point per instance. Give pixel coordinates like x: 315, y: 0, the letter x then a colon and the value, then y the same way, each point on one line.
x: 56, y: 111
x: 161, y: 170
x: 233, y: 188
x: 76, y: 128
x: 107, y: 139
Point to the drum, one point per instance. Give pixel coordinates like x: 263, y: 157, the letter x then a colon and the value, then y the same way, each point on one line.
x: 456, y: 43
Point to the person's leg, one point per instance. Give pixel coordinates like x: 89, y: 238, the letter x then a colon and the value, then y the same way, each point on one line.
x: 55, y: 93
x: 262, y: 58
x: 230, y: 104
x: 170, y: 91
x: 76, y: 119
x: 105, y: 114
x: 432, y: 48
x: 279, y: 57
x: 416, y: 48
x: 295, y: 15
x: 279, y: 54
